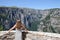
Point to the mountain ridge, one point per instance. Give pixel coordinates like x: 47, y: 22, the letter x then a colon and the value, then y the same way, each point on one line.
x: 39, y: 20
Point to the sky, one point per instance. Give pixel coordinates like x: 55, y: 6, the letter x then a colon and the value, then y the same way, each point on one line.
x: 36, y: 4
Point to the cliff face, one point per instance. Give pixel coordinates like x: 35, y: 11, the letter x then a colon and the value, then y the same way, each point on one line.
x: 9, y: 15
x: 51, y: 23
x: 42, y: 20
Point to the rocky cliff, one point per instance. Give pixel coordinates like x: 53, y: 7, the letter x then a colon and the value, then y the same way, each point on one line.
x: 9, y: 15
x: 47, y: 20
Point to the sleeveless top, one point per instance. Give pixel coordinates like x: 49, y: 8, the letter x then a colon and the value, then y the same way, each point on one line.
x: 18, y: 34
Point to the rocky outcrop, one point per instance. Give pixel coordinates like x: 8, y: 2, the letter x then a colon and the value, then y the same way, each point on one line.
x: 51, y: 23
x: 32, y: 35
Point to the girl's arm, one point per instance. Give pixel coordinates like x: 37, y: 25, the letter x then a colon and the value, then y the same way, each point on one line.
x: 12, y: 28
x: 23, y: 27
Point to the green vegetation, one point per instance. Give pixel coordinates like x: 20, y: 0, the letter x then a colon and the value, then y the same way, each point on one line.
x: 48, y: 28
x: 34, y: 25
x: 52, y: 29
x: 4, y: 16
x: 46, y: 23
x: 45, y: 29
x: 1, y: 27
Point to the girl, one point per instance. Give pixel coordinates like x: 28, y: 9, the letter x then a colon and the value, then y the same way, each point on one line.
x: 19, y: 28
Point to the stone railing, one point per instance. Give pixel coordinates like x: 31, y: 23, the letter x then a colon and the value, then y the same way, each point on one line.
x: 30, y: 35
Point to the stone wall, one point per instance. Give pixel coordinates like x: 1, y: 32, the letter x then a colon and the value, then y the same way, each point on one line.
x: 4, y: 35
x: 31, y: 36
x: 42, y: 36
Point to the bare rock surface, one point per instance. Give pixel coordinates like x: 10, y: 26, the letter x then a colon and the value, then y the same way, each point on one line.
x: 4, y: 35
x: 31, y: 35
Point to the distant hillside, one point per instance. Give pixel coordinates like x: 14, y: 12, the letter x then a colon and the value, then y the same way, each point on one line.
x: 47, y: 20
